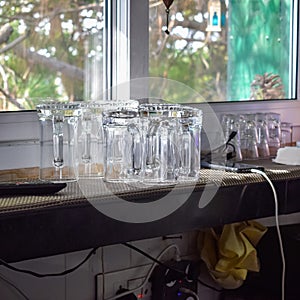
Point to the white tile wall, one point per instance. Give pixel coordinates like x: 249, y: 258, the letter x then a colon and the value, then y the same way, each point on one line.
x: 35, y: 288
x: 80, y: 284
x: 116, y: 257
x: 112, y: 265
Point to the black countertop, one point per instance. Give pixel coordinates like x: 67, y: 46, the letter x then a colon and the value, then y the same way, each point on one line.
x: 91, y: 213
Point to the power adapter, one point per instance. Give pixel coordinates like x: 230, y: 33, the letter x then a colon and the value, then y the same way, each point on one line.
x: 126, y: 297
x: 179, y: 281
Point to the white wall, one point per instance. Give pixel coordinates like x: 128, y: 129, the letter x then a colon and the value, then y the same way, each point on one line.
x: 112, y: 265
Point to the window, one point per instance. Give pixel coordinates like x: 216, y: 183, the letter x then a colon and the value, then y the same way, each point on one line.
x: 51, y: 49
x: 127, y: 50
x: 63, y: 50
x: 227, y: 50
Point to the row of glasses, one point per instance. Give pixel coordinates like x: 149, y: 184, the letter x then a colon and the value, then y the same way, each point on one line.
x: 258, y: 135
x: 72, y: 138
x: 172, y: 142
x: 121, y: 141
x: 155, y: 143
x: 93, y: 139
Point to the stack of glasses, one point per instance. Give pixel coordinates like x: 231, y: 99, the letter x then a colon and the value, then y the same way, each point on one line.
x: 258, y: 135
x: 120, y: 141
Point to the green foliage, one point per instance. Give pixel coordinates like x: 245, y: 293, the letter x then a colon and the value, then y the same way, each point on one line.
x: 217, y: 67
x: 257, y: 41
x: 201, y: 63
x: 54, y: 29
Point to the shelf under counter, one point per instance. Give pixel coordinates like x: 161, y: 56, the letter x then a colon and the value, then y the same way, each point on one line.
x: 74, y: 219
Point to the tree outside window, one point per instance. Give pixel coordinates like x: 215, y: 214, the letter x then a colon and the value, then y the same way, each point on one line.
x: 248, y: 57
x: 49, y: 48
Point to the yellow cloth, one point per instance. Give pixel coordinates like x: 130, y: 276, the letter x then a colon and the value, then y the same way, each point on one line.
x: 230, y: 255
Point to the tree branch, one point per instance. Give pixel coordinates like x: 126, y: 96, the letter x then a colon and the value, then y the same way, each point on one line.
x: 52, y: 64
x: 27, y: 16
x: 191, y: 25
x: 5, y: 33
x: 11, y: 99
x: 15, y: 42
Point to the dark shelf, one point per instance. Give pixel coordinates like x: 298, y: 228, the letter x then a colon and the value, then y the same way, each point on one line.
x: 38, y: 226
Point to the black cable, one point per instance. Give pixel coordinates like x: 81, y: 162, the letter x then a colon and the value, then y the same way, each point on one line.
x: 147, y: 255
x: 39, y: 275
x: 231, y: 136
x: 223, y: 147
x: 231, y: 154
x: 14, y: 286
x: 168, y: 267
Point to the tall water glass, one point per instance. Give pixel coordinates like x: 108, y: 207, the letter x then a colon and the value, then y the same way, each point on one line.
x: 262, y: 135
x: 249, y: 138
x: 189, y: 143
x: 286, y: 134
x: 160, y: 129
x: 274, y: 126
x: 91, y: 142
x: 230, y: 123
x: 123, y: 151
x: 58, y: 140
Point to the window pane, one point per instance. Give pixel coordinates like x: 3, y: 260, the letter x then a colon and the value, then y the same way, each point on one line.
x: 50, y: 48
x: 227, y: 50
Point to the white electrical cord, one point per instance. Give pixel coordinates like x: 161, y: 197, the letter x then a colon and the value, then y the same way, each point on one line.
x: 277, y: 228
x: 149, y: 273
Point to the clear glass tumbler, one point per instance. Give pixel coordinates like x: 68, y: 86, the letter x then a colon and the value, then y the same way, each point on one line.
x: 230, y: 124
x: 58, y: 140
x: 248, y: 136
x: 160, y: 127
x: 274, y: 126
x: 189, y: 143
x: 123, y: 151
x: 91, y: 142
x: 286, y: 134
x: 262, y: 135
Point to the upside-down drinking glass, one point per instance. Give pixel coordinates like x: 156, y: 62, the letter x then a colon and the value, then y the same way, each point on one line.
x: 189, y: 143
x: 58, y: 140
x: 123, y: 151
x: 91, y: 142
x: 160, y: 127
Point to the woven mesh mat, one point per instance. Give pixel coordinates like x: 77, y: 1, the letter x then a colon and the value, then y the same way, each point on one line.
x: 77, y: 193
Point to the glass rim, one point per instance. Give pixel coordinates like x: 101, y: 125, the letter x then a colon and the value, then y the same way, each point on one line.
x: 120, y: 114
x: 168, y: 110
x: 52, y: 104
